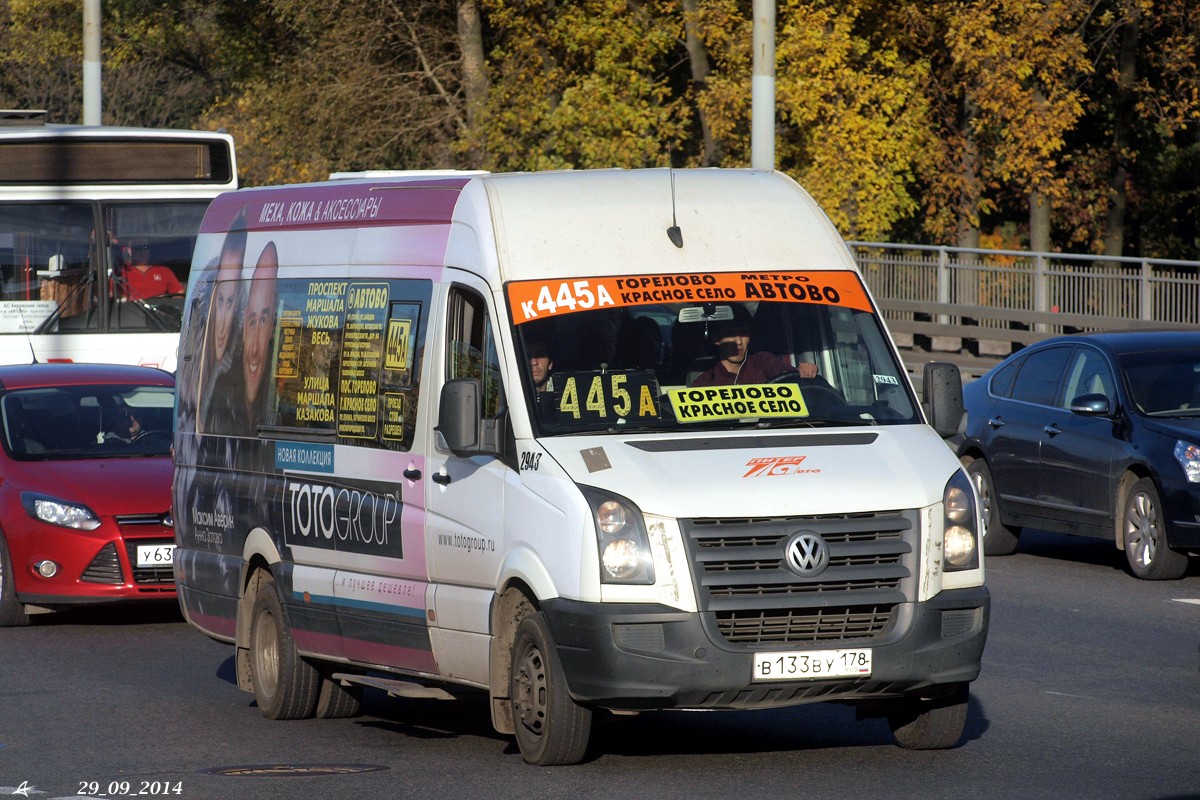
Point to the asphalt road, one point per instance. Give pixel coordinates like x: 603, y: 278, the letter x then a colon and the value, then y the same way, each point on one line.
x: 1090, y: 689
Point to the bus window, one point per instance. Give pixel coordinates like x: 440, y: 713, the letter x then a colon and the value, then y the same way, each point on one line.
x: 97, y: 229
x: 346, y: 360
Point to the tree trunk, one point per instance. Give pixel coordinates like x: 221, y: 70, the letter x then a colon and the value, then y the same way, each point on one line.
x: 1114, y: 228
x: 1039, y: 222
x: 1039, y: 204
x: 970, y: 185
x: 698, y: 60
x: 474, y: 75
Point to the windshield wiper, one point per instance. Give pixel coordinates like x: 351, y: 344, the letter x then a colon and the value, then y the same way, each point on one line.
x: 815, y: 422
x: 1175, y: 412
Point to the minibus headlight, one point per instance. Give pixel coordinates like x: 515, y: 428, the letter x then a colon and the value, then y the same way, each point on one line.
x: 959, y: 547
x: 621, y: 559
x: 625, y: 555
x: 960, y: 539
x: 611, y: 517
x: 958, y: 504
x: 59, y: 512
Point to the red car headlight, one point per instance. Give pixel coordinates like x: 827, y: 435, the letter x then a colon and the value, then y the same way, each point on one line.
x: 59, y: 512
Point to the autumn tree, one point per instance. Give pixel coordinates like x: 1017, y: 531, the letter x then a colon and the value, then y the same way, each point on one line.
x: 41, y: 57
x: 1145, y: 108
x: 363, y: 85
x: 851, y: 116
x: 582, y: 84
x: 1073, y: 121
x: 163, y: 64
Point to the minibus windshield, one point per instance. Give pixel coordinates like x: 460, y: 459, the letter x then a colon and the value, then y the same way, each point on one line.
x: 706, y: 351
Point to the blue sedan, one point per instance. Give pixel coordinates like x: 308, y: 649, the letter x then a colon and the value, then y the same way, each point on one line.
x: 1094, y: 434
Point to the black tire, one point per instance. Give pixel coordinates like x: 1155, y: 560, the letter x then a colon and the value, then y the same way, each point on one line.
x: 551, y: 729
x: 285, y: 685
x: 12, y: 611
x: 1145, y: 533
x: 335, y: 701
x: 931, y: 724
x: 998, y: 539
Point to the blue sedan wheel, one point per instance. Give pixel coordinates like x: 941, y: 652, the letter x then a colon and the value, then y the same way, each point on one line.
x: 1146, y: 536
x: 998, y: 538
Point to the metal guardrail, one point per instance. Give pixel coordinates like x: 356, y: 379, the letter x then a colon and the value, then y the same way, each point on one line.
x: 975, y: 306
x: 1149, y: 289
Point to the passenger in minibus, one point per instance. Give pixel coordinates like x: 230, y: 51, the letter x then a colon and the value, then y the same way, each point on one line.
x: 541, y: 366
x: 735, y: 364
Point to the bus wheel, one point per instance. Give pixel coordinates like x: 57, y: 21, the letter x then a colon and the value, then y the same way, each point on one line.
x: 551, y: 729
x: 285, y: 685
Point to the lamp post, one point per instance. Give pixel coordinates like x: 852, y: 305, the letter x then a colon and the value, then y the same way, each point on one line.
x: 91, y: 62
x: 762, y: 88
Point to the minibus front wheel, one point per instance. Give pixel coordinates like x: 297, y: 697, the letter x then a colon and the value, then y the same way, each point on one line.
x: 285, y: 685
x: 551, y: 728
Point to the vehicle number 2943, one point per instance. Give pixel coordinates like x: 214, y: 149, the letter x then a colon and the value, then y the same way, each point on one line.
x: 812, y: 665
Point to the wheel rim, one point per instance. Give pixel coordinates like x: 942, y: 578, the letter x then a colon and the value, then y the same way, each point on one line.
x: 266, y: 652
x: 985, y: 499
x: 530, y: 693
x: 1141, y: 529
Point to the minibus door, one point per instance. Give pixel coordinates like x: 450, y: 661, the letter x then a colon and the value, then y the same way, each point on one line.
x: 465, y: 496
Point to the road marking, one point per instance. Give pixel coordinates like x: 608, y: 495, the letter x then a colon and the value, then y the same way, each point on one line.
x: 1195, y: 601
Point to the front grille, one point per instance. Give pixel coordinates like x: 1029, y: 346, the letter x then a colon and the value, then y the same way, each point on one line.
x: 819, y: 625
x: 136, y: 525
x: 105, y: 567
x: 754, y: 598
x: 148, y: 575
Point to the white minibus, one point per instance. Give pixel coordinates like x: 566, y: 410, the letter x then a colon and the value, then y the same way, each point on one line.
x: 586, y: 441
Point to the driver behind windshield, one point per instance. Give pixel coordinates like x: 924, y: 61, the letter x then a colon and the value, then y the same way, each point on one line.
x: 735, y: 363
x: 143, y: 280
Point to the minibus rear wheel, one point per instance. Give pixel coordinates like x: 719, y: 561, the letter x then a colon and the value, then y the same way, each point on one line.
x: 285, y: 685
x: 336, y: 701
x: 551, y: 728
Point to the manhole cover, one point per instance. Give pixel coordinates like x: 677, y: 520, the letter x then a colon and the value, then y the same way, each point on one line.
x: 291, y: 770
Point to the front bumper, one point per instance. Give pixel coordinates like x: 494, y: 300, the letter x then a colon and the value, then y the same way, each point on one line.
x: 94, y: 566
x: 1181, y: 507
x: 653, y: 657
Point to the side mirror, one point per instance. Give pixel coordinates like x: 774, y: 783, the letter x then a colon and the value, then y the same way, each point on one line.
x: 1091, y: 405
x: 942, y: 396
x: 460, y: 419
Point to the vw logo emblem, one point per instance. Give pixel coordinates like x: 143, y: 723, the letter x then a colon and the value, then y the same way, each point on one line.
x: 807, y: 554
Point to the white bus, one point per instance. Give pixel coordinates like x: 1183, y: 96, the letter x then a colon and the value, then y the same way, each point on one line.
x: 97, y: 226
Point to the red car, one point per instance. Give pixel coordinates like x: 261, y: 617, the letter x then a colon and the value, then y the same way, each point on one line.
x: 85, y: 487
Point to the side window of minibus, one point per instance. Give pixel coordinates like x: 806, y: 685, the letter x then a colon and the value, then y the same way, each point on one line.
x: 471, y: 349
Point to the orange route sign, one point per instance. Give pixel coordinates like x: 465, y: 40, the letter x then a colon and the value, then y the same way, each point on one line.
x: 540, y: 299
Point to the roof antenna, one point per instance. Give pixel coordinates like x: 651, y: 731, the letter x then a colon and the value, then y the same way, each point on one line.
x: 673, y: 232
